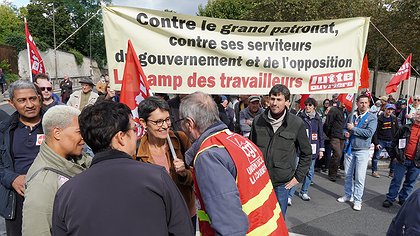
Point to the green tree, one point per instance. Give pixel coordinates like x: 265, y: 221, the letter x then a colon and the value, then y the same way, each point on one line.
x: 69, y: 15
x: 225, y: 9
x: 10, y: 24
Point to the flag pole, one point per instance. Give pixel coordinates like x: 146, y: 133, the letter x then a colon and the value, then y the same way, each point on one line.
x: 408, y: 93
x: 353, y: 108
x: 27, y: 47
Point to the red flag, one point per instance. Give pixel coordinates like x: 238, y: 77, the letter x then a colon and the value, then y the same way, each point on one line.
x: 135, y: 87
x: 364, y: 74
x: 303, y: 97
x: 403, y: 74
x: 36, y: 64
x: 347, y: 100
x: 410, y: 101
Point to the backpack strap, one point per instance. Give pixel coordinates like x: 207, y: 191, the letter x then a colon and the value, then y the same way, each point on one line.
x: 59, y: 172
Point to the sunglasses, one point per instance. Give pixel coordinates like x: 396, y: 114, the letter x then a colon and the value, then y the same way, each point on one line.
x: 45, y: 88
x: 308, y: 105
x: 416, y: 100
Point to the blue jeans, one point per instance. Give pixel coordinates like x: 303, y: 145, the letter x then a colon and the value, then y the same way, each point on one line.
x: 282, y: 194
x: 306, y: 182
x: 377, y: 154
x: 355, y: 166
x: 411, y: 173
x: 308, y: 178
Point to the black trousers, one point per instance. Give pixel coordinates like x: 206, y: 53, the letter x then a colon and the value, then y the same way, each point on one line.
x: 14, y: 227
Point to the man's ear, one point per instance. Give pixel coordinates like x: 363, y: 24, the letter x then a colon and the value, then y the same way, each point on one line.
x: 118, y: 140
x: 189, y: 123
x: 56, y: 133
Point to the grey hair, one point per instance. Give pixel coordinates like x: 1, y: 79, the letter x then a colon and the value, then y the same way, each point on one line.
x: 21, y: 84
x: 201, y: 108
x: 59, y: 116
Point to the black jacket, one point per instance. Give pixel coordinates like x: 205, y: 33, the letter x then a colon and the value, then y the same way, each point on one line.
x: 379, y: 134
x: 279, y: 148
x: 120, y: 196
x: 7, y: 166
x: 334, y: 124
x: 404, y: 133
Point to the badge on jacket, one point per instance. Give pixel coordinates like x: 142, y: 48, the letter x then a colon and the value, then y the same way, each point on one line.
x: 39, y: 139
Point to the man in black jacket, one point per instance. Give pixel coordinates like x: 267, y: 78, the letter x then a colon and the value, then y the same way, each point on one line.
x: 278, y: 134
x: 385, y: 131
x: 333, y: 128
x: 118, y: 195
x: 21, y: 138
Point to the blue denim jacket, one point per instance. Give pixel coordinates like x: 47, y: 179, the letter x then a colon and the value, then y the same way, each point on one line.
x: 363, y: 134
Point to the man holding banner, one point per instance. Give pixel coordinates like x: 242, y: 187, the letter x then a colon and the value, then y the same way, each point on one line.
x: 359, y: 132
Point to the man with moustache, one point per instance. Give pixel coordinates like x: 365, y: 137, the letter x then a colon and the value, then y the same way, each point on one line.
x: 21, y: 139
x: 58, y: 160
x: 278, y: 134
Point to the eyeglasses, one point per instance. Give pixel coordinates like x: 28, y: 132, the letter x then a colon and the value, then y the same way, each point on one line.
x: 179, y: 121
x: 416, y: 100
x: 45, y: 88
x: 160, y: 122
x: 308, y: 105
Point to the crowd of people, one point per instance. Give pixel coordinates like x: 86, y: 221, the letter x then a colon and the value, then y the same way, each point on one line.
x: 203, y: 160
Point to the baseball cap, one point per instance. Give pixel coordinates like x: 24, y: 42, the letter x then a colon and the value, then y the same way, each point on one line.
x: 254, y: 98
x: 390, y: 106
x: 223, y: 98
x: 403, y: 101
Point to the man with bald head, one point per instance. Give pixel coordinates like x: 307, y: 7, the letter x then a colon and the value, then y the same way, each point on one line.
x: 58, y: 160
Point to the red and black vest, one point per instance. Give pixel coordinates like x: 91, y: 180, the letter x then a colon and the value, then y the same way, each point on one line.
x: 259, y: 201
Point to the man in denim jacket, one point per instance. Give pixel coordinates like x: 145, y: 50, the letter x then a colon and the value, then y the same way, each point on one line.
x: 359, y: 132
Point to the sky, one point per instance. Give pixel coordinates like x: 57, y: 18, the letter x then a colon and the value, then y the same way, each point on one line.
x: 189, y: 7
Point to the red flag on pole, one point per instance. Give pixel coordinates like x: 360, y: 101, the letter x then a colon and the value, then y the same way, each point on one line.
x: 364, y: 74
x: 410, y: 101
x: 303, y: 97
x: 36, y: 65
x: 135, y: 87
x: 347, y: 100
x: 403, y: 74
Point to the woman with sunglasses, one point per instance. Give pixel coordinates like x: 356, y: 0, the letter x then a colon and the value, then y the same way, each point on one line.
x: 313, y: 123
x: 154, y: 147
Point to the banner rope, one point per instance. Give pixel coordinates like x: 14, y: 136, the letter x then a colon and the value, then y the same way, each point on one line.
x: 393, y: 46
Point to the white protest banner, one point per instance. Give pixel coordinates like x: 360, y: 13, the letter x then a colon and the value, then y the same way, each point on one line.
x: 182, y: 54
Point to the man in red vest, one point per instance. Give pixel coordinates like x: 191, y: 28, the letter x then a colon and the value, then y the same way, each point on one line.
x: 232, y: 183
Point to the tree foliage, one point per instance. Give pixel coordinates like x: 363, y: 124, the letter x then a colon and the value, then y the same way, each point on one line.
x: 398, y: 20
x: 66, y: 16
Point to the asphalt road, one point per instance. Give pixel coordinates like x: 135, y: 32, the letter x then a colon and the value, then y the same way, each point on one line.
x: 323, y: 215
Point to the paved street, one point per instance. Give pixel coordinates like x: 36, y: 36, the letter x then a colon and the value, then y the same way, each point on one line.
x: 323, y: 215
